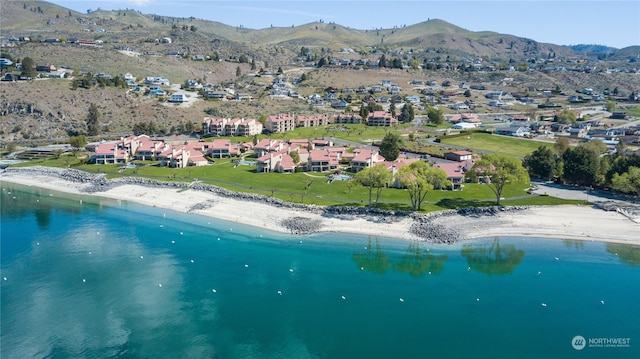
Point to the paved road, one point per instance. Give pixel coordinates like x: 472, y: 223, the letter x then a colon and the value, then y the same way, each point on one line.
x: 581, y: 193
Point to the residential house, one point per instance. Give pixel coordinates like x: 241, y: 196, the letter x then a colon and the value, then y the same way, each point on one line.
x: 45, y: 67
x: 455, y: 174
x: 222, y: 148
x: 347, y: 118
x: 279, y: 161
x: 458, y: 156
x: 178, y: 98
x: 381, y: 118
x: 515, y: 130
x: 249, y: 127
x: 322, y: 160
x: 268, y: 145
x: 339, y: 104
x: 365, y: 158
x: 312, y: 120
x: 280, y: 123
x: 109, y: 153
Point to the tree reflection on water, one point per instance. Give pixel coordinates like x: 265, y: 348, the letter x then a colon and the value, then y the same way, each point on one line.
x: 373, y: 261
x: 416, y: 261
x: 628, y: 254
x: 492, y: 258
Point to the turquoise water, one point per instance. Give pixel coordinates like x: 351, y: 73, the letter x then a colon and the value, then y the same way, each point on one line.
x: 90, y: 278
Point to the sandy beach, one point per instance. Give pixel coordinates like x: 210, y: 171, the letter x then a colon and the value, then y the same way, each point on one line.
x: 564, y: 222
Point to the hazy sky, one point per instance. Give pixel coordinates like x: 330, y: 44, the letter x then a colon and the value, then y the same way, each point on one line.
x: 562, y: 22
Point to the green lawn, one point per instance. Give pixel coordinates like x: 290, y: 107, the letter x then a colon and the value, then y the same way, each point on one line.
x: 512, y: 146
x: 350, y: 132
x: 309, y: 188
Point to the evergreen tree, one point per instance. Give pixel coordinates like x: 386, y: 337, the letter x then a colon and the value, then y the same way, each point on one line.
x: 541, y: 163
x: 407, y: 114
x: 390, y: 146
x: 93, y: 127
x: 28, y: 67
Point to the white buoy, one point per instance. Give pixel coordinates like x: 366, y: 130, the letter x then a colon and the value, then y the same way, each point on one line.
x: 162, y: 226
x: 261, y: 236
x: 89, y: 252
x: 84, y: 280
x: 181, y: 233
x: 192, y: 261
x: 300, y: 242
x: 343, y: 297
x: 468, y: 269
x: 173, y: 242
x: 141, y: 257
x: 213, y: 290
x: 5, y: 278
x: 231, y: 229
x: 477, y: 299
x: 429, y: 273
x: 37, y: 243
x: 218, y: 238
x: 602, y: 302
x: 280, y: 292
x: 361, y: 268
x: 97, y: 232
x: 246, y: 266
x: 365, y: 247
x: 402, y: 300
x: 544, y: 304
x: 160, y: 285
x: 556, y: 258
x: 291, y: 270
x: 539, y: 273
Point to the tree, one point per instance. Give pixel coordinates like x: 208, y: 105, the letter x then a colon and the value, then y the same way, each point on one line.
x: 581, y: 165
x: 93, y: 127
x: 375, y: 177
x: 418, y: 178
x: 610, y: 106
x: 295, y: 156
x: 501, y: 170
x: 541, y: 163
x: 28, y: 67
x: 390, y: 146
x: 382, y: 62
x: 364, y: 113
x: 253, y: 64
x: 567, y: 117
x: 238, y: 71
x: 407, y: 114
x: 561, y: 145
x: 78, y: 141
x: 435, y: 115
x: 628, y: 182
x: 392, y: 108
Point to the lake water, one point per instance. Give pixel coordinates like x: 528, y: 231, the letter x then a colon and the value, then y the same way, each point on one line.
x: 90, y: 278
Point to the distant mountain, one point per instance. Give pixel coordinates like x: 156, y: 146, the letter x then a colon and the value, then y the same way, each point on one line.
x: 40, y: 19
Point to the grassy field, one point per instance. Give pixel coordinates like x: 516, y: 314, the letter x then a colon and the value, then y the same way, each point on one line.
x: 486, y: 142
x: 308, y: 188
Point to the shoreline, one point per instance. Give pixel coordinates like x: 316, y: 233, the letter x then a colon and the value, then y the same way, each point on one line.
x: 447, y: 227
